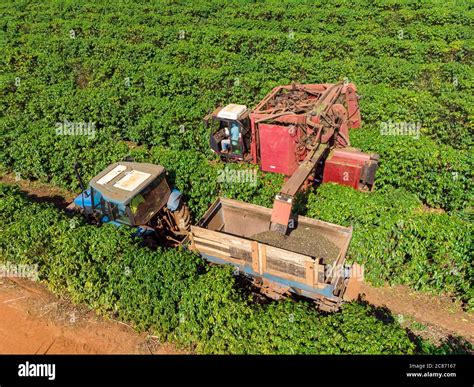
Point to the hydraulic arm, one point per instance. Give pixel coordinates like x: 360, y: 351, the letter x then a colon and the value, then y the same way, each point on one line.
x: 283, y: 202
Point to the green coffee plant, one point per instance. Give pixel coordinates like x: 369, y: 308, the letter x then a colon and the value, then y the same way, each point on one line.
x: 439, y: 175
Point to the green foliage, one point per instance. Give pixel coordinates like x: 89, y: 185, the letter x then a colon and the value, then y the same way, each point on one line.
x: 453, y: 345
x: 24, y: 242
x: 230, y: 325
x: 399, y: 242
x: 214, y: 315
x: 438, y: 174
x: 35, y: 152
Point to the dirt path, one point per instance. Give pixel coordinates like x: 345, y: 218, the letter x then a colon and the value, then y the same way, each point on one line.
x: 439, y: 314
x: 40, y: 192
x: 34, y: 321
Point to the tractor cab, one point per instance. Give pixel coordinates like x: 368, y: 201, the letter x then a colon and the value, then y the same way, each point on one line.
x: 230, y: 131
x: 127, y: 193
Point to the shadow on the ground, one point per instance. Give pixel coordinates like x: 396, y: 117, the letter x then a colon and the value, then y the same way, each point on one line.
x: 57, y: 201
x: 451, y: 345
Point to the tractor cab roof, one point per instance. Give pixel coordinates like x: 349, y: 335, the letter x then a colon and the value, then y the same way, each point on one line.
x: 231, y: 112
x: 120, y: 182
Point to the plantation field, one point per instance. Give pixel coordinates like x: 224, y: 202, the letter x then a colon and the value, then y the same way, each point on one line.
x: 145, y: 74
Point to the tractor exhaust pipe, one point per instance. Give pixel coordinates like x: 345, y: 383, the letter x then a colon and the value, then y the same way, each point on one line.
x: 79, y: 178
x: 83, y: 187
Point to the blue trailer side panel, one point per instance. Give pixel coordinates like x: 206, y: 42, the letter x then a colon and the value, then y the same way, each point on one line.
x: 295, y: 287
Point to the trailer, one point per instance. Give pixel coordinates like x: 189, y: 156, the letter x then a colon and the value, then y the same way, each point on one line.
x: 226, y: 235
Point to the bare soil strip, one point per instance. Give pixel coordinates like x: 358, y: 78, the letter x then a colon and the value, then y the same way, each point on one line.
x: 439, y: 313
x: 40, y: 192
x: 34, y: 321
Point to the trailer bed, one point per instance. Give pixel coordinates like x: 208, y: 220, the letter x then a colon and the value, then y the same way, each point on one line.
x: 303, y: 240
x: 226, y: 235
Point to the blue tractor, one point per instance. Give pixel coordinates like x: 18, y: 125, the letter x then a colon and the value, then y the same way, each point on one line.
x: 136, y: 195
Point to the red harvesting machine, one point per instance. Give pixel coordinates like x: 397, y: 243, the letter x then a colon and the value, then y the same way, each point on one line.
x: 301, y: 131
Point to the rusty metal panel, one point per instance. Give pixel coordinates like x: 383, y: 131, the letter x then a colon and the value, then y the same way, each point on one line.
x: 281, y: 211
x: 354, y: 284
x: 277, y: 149
x: 342, y: 172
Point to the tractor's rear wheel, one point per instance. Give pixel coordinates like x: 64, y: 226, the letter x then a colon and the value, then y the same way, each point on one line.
x: 182, y: 218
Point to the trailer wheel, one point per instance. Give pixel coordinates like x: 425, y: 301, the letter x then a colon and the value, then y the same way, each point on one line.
x: 328, y: 306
